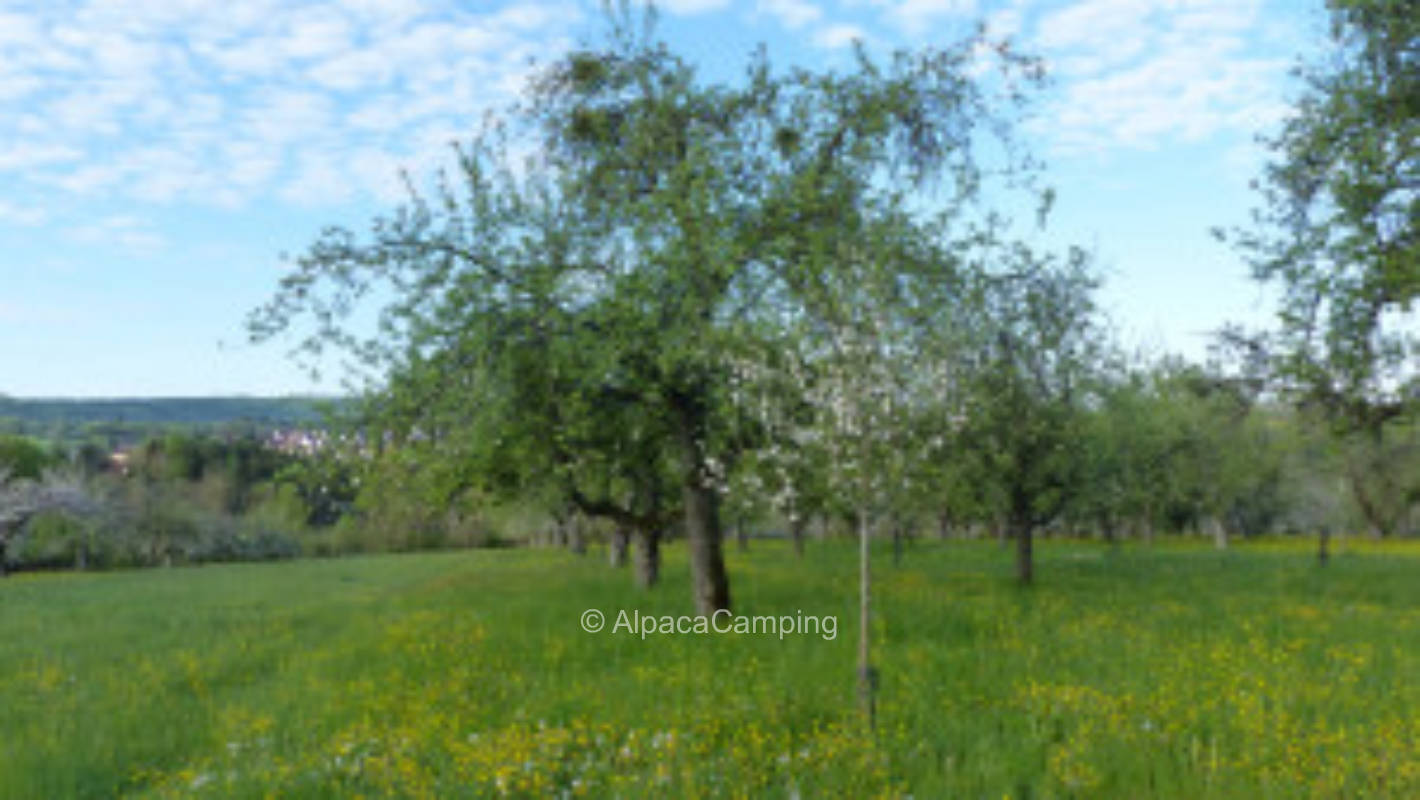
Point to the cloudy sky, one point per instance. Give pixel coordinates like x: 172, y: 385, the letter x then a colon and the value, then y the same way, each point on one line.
x: 158, y: 156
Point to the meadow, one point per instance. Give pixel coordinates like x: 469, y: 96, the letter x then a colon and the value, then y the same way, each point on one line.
x: 1174, y: 671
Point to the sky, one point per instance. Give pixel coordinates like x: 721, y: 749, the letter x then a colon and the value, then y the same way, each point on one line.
x: 158, y: 157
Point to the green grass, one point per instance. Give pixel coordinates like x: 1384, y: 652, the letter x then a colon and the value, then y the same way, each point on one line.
x: 1175, y: 672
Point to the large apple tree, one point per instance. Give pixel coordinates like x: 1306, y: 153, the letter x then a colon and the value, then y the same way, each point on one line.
x: 567, y: 307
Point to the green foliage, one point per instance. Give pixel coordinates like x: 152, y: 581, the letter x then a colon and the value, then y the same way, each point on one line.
x: 317, y: 490
x: 1338, y: 232
x: 1178, y: 447
x: 1338, y: 235
x: 569, y: 326
x: 181, y: 499
x: 186, y: 499
x: 23, y: 457
x: 1041, y: 349
x: 403, y: 507
x: 51, y: 539
x: 1380, y: 472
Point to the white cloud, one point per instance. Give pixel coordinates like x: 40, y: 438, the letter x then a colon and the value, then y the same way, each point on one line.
x: 213, y: 103
x: 1095, y: 25
x: 1003, y: 23
x: 200, y: 101
x: 121, y: 230
x: 17, y: 28
x: 535, y: 17
x: 316, y: 32
x: 320, y: 178
x: 688, y: 7
x: 24, y: 155
x: 394, y: 11
x: 25, y: 216
x: 792, y: 14
x: 839, y: 35
x: 249, y: 164
x: 15, y: 87
x: 88, y: 179
x: 350, y: 70
x: 379, y: 172
x: 915, y: 17
x: 1136, y: 75
x: 287, y: 116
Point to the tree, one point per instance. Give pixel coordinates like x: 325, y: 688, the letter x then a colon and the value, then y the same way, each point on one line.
x: 23, y: 457
x: 1225, y: 465
x: 1339, y: 229
x: 1127, y: 456
x: 789, y: 472
x: 1316, y: 484
x: 24, y: 498
x: 660, y: 230
x: 854, y: 380
x: 1039, y: 344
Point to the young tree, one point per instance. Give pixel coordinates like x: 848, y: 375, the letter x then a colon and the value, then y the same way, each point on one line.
x: 859, y: 392
x: 850, y: 375
x: 1039, y: 348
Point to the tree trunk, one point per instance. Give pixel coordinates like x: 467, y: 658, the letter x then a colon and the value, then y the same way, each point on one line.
x: 707, y: 561
x: 1220, y: 533
x: 867, y: 679
x: 796, y: 533
x: 648, y: 558
x: 616, y: 548
x: 944, y: 526
x: 710, y: 584
x: 1323, y: 547
x: 1025, y: 555
x: 896, y: 543
x: 1379, y: 523
x: 4, y: 537
x: 741, y: 535
x: 576, y: 540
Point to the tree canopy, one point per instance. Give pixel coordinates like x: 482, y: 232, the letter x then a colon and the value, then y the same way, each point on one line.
x: 574, y: 307
x: 1339, y: 229
x: 1339, y: 235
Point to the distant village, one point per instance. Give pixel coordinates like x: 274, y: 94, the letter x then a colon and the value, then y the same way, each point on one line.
x: 293, y: 441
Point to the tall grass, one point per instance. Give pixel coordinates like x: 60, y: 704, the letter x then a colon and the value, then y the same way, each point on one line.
x: 1173, y: 672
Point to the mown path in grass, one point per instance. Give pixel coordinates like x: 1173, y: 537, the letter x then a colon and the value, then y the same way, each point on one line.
x: 1171, y: 672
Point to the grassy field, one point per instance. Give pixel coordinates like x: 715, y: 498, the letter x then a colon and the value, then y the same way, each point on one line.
x: 1173, y: 672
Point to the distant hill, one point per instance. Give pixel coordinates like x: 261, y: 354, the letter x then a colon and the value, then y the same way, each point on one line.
x: 164, y: 410
x: 119, y: 420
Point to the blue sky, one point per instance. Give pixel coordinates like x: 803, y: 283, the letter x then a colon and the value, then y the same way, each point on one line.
x: 157, y: 156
